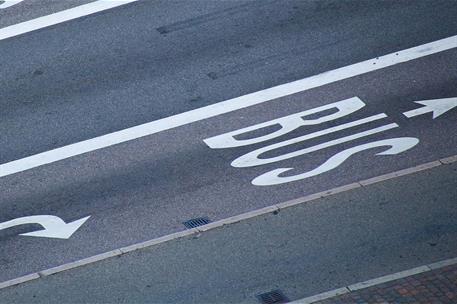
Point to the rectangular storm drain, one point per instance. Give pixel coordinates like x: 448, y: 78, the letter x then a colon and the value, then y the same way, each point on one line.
x: 199, y: 221
x: 272, y: 297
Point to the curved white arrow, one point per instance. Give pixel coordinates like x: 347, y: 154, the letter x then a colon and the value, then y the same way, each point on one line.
x: 437, y: 106
x: 54, y: 227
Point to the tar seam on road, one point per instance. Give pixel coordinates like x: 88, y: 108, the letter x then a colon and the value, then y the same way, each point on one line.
x: 249, y: 215
x: 224, y: 107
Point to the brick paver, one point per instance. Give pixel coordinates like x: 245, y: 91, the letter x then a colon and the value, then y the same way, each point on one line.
x: 434, y: 287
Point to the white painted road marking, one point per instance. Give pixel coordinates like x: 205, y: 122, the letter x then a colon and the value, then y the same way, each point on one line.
x: 377, y: 281
x: 233, y: 220
x: 226, y: 106
x: 396, y: 146
x: 54, y: 227
x: 287, y: 124
x: 60, y: 17
x: 8, y: 3
x: 437, y: 106
x: 253, y: 158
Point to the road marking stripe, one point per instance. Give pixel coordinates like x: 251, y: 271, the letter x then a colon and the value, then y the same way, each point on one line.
x: 226, y: 106
x: 60, y: 17
x: 236, y: 219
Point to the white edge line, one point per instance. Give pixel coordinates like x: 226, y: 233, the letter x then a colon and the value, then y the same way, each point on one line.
x: 225, y: 106
x: 60, y: 17
x: 245, y: 216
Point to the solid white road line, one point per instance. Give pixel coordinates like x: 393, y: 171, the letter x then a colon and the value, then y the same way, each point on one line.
x: 226, y: 106
x: 59, y: 17
x: 239, y: 218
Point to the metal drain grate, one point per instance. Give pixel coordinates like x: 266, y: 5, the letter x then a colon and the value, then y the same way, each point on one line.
x: 199, y: 221
x: 272, y: 297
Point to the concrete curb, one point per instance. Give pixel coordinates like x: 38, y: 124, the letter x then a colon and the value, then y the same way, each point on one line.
x: 388, y: 278
x: 245, y: 216
x: 79, y: 263
x: 376, y: 281
x: 323, y: 296
x: 19, y: 280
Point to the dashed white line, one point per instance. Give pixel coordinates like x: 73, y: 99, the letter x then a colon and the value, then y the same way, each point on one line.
x: 60, y: 17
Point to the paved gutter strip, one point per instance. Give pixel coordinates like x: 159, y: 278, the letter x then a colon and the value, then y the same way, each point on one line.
x: 411, y: 170
x: 442, y: 264
x: 238, y: 218
x: 252, y: 214
x: 449, y: 160
x: 389, y: 278
x: 159, y: 240
x: 323, y: 296
x: 376, y: 281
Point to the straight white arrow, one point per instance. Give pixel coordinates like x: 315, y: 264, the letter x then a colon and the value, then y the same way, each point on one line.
x: 54, y: 227
x: 437, y: 106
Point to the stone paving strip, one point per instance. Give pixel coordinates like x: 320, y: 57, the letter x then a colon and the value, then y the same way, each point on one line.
x: 435, y: 286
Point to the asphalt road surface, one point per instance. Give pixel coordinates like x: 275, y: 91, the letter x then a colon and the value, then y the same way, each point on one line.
x: 302, y: 250
x: 150, y: 60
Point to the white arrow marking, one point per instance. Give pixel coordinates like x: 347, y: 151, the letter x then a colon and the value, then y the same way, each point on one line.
x: 54, y: 227
x: 437, y: 106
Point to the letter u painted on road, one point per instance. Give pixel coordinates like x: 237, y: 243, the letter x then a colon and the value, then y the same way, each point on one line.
x: 286, y: 124
x: 289, y: 123
x: 397, y: 145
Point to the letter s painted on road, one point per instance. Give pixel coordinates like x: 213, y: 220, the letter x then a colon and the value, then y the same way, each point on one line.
x: 396, y: 146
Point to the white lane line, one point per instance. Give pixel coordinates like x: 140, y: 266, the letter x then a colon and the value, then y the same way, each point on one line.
x: 59, y: 17
x: 226, y: 106
x: 236, y: 219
